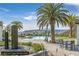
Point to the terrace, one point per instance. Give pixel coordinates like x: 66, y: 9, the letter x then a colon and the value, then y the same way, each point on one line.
x: 45, y: 41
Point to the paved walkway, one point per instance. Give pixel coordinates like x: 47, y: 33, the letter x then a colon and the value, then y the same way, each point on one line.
x: 55, y: 50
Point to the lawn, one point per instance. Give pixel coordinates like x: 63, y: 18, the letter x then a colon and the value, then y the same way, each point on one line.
x: 65, y: 38
x: 1, y: 43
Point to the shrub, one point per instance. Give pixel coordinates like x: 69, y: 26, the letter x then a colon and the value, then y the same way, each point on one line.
x: 26, y: 43
x: 37, y: 47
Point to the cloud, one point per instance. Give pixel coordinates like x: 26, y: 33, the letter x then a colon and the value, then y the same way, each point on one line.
x: 4, y: 9
x: 31, y: 17
x: 62, y: 27
x: 4, y: 25
x: 28, y: 26
x: 75, y: 3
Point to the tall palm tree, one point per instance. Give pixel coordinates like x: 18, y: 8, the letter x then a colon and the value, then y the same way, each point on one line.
x: 7, y: 28
x: 18, y: 24
x: 50, y: 14
x: 71, y: 24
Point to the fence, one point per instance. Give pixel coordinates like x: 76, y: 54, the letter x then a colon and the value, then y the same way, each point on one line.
x: 70, y: 45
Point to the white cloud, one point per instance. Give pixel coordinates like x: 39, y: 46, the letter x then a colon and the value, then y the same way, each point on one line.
x: 31, y: 17
x: 33, y: 26
x: 4, y: 25
x: 62, y: 27
x: 75, y: 3
x: 4, y: 9
x: 28, y: 26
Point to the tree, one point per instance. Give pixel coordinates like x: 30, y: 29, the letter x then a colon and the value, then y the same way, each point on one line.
x: 50, y: 14
x: 6, y: 40
x: 71, y: 24
x: 18, y: 24
x: 14, y: 36
x: 8, y: 29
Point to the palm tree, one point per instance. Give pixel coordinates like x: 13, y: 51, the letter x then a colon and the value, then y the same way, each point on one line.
x: 18, y: 24
x: 14, y: 36
x: 71, y: 24
x: 7, y: 28
x: 50, y: 14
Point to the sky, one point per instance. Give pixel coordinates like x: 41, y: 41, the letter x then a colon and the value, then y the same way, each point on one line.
x: 26, y: 13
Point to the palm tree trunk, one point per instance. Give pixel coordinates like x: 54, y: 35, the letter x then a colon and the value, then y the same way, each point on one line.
x: 52, y: 25
x: 71, y: 30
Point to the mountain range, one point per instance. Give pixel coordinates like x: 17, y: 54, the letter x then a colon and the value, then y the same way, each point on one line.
x: 40, y: 31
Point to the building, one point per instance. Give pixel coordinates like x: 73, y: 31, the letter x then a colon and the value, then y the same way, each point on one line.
x: 1, y: 30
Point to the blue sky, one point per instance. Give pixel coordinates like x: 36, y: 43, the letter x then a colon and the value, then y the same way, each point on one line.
x: 26, y: 13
